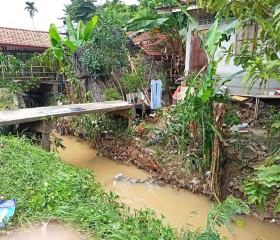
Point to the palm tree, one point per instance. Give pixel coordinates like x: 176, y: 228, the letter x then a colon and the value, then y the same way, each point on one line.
x: 32, y: 10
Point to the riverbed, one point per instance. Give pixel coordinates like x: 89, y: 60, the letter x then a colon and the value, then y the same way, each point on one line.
x: 178, y: 206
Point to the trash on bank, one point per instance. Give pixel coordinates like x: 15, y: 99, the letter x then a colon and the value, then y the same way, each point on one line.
x: 7, y: 210
x: 244, y: 127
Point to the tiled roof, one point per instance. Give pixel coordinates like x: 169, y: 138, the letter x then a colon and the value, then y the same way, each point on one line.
x: 12, y: 37
x: 154, y: 44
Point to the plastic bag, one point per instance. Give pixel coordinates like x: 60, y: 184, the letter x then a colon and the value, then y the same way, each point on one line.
x: 7, y: 210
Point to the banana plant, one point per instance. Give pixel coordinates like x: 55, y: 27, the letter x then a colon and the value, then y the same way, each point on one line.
x: 75, y: 39
x: 165, y: 24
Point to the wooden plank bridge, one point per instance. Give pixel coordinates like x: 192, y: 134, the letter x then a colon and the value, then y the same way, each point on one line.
x: 38, y: 118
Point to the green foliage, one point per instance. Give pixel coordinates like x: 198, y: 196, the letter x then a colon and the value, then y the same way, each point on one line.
x: 133, y: 81
x: 273, y: 131
x: 231, y: 118
x: 17, y: 87
x: 147, y: 8
x: 107, y: 49
x: 76, y: 38
x: 95, y: 126
x: 45, y: 59
x: 257, y: 193
x: 174, y: 26
x: 197, y: 108
x: 263, y: 182
x: 9, y: 64
x: 149, y: 23
x: 30, y: 8
x: 6, y: 99
x: 80, y: 10
x: 112, y: 94
x: 221, y: 214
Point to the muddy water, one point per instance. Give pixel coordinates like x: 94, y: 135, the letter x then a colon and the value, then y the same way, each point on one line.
x: 176, y: 206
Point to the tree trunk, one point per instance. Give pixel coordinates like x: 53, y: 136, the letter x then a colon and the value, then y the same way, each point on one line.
x: 218, y: 112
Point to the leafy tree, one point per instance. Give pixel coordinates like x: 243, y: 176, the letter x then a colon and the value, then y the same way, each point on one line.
x: 80, y: 10
x: 31, y: 9
x: 107, y: 48
x: 146, y: 8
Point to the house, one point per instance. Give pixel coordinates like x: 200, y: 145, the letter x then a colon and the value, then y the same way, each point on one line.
x: 196, y: 57
x: 14, y: 40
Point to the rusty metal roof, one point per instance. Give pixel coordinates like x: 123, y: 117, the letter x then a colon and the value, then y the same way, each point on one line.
x: 12, y: 37
x: 155, y: 44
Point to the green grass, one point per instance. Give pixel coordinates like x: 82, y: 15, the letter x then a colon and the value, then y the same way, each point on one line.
x: 46, y: 188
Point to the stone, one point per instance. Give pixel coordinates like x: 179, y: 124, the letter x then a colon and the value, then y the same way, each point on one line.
x: 248, y: 153
x: 231, y: 141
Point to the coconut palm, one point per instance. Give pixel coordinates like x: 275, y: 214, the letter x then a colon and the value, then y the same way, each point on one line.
x: 31, y: 10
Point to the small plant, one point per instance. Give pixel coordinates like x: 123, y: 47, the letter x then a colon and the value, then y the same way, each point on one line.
x: 6, y: 100
x: 112, y: 94
x: 231, y: 118
x: 273, y: 132
x: 265, y: 180
x: 135, y: 80
x: 221, y: 214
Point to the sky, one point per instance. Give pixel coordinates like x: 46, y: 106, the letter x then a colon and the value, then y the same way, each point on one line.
x: 13, y: 15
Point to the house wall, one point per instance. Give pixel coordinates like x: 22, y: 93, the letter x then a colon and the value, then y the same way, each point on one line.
x: 235, y: 86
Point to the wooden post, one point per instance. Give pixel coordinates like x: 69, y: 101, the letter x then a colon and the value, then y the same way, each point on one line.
x: 55, y: 88
x: 3, y: 74
x: 131, y: 116
x: 46, y: 135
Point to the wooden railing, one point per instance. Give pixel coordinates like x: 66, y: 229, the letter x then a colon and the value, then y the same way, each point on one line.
x: 25, y: 73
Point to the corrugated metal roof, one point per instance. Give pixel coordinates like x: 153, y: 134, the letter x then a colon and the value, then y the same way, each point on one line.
x: 155, y: 44
x: 24, y: 38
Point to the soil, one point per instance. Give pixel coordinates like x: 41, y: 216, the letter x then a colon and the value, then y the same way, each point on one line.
x: 46, y: 231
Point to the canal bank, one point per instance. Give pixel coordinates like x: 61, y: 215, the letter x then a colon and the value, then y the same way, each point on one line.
x: 176, y: 205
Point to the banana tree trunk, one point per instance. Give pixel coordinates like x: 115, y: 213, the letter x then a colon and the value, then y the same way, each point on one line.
x: 218, y: 113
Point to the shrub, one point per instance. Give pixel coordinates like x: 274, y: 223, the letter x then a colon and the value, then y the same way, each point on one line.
x: 112, y: 94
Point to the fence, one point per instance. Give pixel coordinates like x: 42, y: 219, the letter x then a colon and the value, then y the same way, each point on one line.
x: 25, y: 73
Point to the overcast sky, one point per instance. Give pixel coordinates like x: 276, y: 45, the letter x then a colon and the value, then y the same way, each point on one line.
x: 13, y: 15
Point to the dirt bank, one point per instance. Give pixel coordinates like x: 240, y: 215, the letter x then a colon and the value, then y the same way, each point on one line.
x: 169, y: 171
x: 239, y: 158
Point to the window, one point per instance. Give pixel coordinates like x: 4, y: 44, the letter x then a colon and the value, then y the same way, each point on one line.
x: 205, y: 19
x: 247, y: 33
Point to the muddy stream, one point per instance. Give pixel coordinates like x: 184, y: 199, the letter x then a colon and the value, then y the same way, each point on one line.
x: 175, y: 205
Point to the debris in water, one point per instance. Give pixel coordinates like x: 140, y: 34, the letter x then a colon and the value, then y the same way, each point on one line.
x: 240, y: 223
